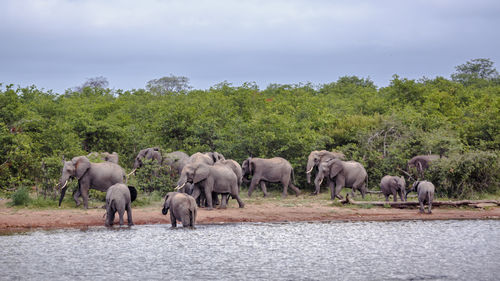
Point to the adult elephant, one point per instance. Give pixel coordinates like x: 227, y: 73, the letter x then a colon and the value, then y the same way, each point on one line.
x: 208, y: 179
x: 175, y: 160
x: 314, y: 159
x: 106, y: 156
x: 235, y: 166
x: 392, y: 185
x: 422, y: 162
x: 216, y: 156
x: 344, y: 174
x: 262, y: 170
x: 196, y: 158
x: 99, y: 176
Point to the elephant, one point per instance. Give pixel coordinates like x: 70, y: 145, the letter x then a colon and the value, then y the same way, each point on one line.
x: 314, y: 159
x: 99, y: 176
x: 198, y: 157
x: 422, y: 162
x: 425, y: 192
x: 346, y: 174
x: 216, y: 157
x: 275, y: 169
x: 119, y: 198
x: 182, y: 207
x: 218, y: 178
x: 175, y: 160
x: 109, y: 157
x: 393, y: 185
x: 235, y: 166
x: 153, y: 153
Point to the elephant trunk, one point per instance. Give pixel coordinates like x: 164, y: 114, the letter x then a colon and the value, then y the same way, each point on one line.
x: 63, y: 192
x: 164, y: 211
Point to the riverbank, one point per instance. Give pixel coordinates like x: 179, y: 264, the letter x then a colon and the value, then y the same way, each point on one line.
x: 291, y: 209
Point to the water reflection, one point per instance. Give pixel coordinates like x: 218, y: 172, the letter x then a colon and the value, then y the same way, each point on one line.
x: 407, y: 250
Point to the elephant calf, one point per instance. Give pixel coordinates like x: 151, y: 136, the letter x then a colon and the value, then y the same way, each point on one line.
x: 393, y: 185
x: 119, y: 198
x: 182, y: 207
x: 425, y: 193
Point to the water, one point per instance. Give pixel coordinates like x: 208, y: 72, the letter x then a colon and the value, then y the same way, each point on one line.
x: 408, y: 250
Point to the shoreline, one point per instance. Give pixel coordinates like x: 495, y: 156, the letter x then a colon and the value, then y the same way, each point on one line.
x: 18, y: 220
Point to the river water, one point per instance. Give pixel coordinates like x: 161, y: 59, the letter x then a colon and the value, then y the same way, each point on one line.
x: 405, y: 250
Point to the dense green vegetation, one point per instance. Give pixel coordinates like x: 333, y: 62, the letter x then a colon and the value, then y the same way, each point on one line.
x: 380, y: 127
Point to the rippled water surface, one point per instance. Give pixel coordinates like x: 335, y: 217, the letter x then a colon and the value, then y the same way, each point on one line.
x: 410, y: 250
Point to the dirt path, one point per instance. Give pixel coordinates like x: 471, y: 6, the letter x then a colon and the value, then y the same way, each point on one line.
x: 14, y: 219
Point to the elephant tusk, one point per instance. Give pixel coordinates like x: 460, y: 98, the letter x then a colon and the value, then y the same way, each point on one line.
x: 310, y: 170
x: 320, y: 181
x: 64, y: 184
x: 179, y: 187
x: 128, y: 175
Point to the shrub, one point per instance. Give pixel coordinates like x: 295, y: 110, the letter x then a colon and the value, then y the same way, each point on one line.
x: 466, y: 175
x: 154, y: 177
x: 21, y: 197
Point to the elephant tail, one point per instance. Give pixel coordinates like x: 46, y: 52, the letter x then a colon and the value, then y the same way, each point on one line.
x: 133, y: 193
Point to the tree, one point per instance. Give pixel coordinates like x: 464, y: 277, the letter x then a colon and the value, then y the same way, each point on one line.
x: 95, y: 82
x: 168, y: 84
x: 474, y: 70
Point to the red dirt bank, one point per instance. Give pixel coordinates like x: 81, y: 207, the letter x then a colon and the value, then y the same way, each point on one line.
x: 12, y: 219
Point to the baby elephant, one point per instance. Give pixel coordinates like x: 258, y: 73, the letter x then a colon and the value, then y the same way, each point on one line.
x: 182, y: 207
x: 119, y: 198
x: 425, y: 192
x: 393, y: 185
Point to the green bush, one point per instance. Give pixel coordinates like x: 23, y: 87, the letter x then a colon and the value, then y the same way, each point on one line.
x: 154, y: 177
x: 466, y: 175
x: 21, y: 197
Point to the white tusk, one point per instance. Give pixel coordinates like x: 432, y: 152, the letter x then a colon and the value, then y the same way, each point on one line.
x: 179, y: 187
x: 64, y: 184
x: 128, y: 175
x: 320, y: 181
x: 310, y: 170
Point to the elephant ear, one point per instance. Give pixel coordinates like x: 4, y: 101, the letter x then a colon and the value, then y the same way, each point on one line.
x: 251, y: 166
x: 133, y: 193
x: 201, y: 173
x: 336, y: 167
x: 82, y: 164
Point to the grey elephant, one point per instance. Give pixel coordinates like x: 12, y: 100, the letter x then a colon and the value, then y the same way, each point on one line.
x: 425, y: 192
x: 235, y: 166
x: 263, y: 170
x: 392, y: 185
x: 99, y: 176
x: 176, y: 160
x: 197, y: 157
x: 182, y: 208
x: 422, y: 162
x: 344, y: 174
x: 105, y: 156
x: 216, y: 156
x: 218, y: 178
x: 119, y: 198
x: 152, y: 153
x: 314, y: 159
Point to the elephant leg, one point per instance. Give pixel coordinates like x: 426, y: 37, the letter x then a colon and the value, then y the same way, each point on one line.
x: 317, y: 184
x: 430, y: 207
x: 296, y: 189
x: 208, y: 196
x: 386, y: 198
x: 110, y: 215
x: 215, y: 198
x: 263, y: 187
x: 253, y: 183
x: 76, y: 196
x: 395, y: 195
x: 121, y: 212
x: 237, y: 197
x: 223, y: 201
x: 173, y: 220
x: 285, y: 187
x: 85, y: 196
x: 338, y: 188
x: 421, y: 207
x: 129, y: 215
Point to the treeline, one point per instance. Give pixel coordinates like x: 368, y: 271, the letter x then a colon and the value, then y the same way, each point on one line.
x: 380, y: 127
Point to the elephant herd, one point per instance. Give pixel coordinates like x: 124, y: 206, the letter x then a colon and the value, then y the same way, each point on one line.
x: 205, y: 176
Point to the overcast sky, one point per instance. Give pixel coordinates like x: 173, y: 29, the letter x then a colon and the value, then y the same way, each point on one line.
x: 58, y: 44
